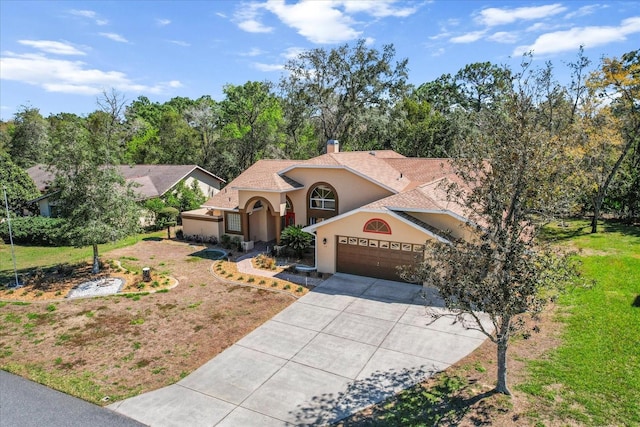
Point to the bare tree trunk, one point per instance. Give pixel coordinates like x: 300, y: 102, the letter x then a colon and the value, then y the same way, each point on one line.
x: 596, y: 214
x: 503, y: 344
x: 603, y: 190
x: 96, y: 263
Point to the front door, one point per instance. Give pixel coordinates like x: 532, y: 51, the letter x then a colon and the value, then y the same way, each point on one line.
x: 289, y: 219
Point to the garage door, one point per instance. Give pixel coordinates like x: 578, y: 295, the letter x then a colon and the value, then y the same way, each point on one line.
x: 375, y: 258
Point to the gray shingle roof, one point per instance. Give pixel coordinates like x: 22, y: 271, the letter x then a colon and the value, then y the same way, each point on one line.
x: 152, y: 180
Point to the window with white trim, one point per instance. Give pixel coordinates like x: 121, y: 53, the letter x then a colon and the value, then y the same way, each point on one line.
x: 323, y: 198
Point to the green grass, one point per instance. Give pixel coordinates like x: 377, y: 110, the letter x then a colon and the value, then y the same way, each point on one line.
x: 594, y: 376
x: 29, y: 257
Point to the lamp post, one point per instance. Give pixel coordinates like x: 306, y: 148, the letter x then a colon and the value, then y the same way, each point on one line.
x: 13, y: 254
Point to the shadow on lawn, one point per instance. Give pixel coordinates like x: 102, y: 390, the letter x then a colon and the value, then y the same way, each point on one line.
x: 445, y: 403
x: 45, y: 278
x: 572, y: 230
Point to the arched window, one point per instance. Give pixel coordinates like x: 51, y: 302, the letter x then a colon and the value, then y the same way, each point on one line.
x: 322, y: 197
x: 377, y: 225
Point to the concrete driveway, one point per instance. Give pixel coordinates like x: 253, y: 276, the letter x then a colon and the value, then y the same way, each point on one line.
x: 352, y: 342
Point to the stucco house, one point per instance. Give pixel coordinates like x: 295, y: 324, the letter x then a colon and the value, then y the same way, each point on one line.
x: 369, y: 210
x: 149, y: 181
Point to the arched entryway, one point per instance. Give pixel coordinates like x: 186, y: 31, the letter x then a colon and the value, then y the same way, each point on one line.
x: 260, y: 221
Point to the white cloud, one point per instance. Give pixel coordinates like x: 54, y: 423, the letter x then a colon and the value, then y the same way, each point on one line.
x: 89, y: 14
x: 563, y: 41
x: 72, y: 77
x: 321, y: 22
x: 438, y: 52
x: 50, y: 46
x: 268, y: 67
x: 292, y: 52
x: 180, y: 43
x: 538, y: 26
x: 115, y: 37
x: 253, y: 52
x: 378, y: 8
x: 318, y: 21
x: 585, y: 10
x: 443, y: 35
x: 494, y: 16
x: 503, y: 37
x: 163, y: 22
x: 468, y: 38
x: 83, y: 13
x: 253, y: 26
x: 246, y: 18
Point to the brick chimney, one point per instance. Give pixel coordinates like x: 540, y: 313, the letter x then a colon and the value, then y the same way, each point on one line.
x: 333, y: 146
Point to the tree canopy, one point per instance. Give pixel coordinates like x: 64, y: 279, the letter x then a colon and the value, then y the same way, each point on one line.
x: 510, y: 176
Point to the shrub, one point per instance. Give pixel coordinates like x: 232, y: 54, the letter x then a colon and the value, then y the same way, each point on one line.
x: 296, y: 239
x: 34, y: 230
x: 266, y: 262
x: 225, y: 241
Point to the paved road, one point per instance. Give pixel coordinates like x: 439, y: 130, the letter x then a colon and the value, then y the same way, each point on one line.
x: 24, y: 403
x: 351, y: 342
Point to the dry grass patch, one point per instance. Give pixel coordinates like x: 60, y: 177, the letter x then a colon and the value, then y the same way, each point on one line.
x: 122, y: 345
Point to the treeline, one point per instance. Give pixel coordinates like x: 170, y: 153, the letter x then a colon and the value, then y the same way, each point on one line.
x: 359, y: 96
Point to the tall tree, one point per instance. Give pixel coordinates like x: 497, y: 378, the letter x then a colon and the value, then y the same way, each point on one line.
x: 509, y: 173
x: 252, y: 119
x: 30, y: 137
x: 177, y: 141
x: 423, y: 131
x: 90, y: 194
x: 482, y: 83
x: 204, y: 117
x: 613, y: 121
x: 339, y: 86
x: 18, y: 184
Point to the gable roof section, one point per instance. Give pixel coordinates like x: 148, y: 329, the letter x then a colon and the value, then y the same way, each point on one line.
x: 370, y: 165
x: 262, y: 176
x: 156, y: 180
x: 42, y: 177
x: 421, y: 170
x: 412, y: 222
x: 152, y: 180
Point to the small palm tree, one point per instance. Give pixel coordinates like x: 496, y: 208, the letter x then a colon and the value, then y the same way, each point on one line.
x: 295, y: 239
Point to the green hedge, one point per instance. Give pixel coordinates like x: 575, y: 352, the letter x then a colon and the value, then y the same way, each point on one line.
x: 34, y: 230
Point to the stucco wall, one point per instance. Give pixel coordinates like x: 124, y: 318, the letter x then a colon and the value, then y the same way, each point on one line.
x: 353, y: 226
x: 274, y: 198
x: 446, y: 222
x: 209, y: 185
x: 202, y: 227
x: 353, y: 191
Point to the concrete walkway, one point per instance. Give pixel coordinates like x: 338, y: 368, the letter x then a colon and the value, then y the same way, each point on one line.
x: 351, y: 342
x: 245, y: 265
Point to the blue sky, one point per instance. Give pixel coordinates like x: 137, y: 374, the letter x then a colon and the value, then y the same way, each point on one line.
x: 59, y: 56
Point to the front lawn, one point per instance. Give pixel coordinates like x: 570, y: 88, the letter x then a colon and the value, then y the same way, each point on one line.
x: 108, y: 348
x: 594, y: 376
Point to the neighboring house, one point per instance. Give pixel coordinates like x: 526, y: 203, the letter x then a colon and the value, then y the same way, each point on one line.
x: 149, y: 181
x: 370, y: 211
